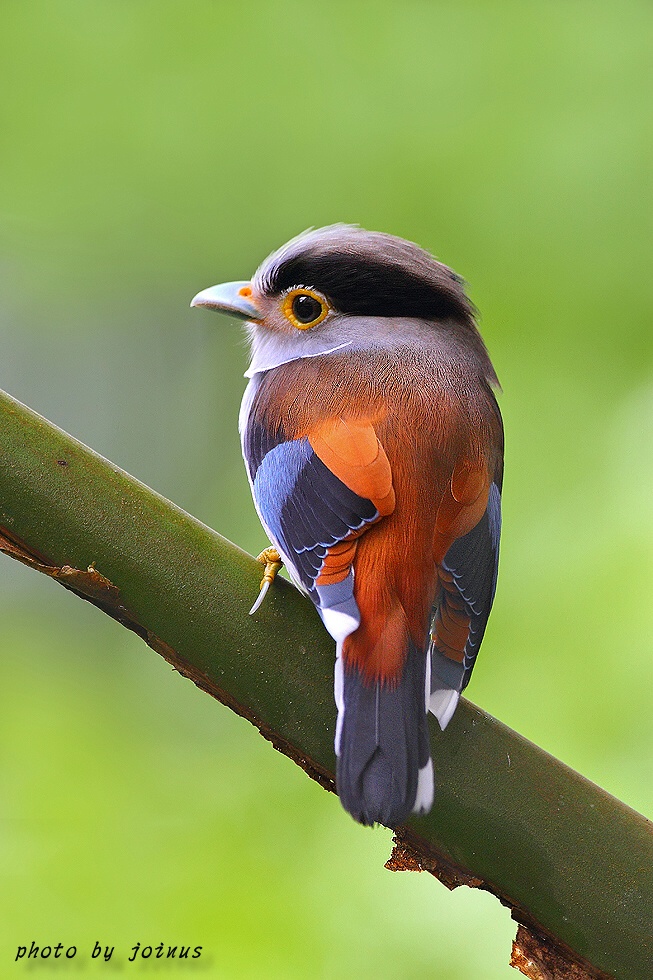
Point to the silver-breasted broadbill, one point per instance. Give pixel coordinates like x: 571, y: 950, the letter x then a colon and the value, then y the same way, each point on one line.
x: 374, y: 448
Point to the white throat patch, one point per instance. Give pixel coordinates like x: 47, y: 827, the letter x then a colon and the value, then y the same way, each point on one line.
x: 265, y: 356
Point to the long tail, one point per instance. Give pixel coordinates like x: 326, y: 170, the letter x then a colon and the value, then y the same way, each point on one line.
x: 384, y: 771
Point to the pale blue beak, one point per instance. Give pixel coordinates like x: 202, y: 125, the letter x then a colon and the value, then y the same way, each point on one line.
x: 233, y: 298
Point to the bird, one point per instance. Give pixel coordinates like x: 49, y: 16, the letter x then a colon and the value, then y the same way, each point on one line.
x: 373, y: 443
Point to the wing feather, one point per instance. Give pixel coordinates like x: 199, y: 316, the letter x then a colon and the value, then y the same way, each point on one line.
x: 312, y: 512
x: 468, y: 578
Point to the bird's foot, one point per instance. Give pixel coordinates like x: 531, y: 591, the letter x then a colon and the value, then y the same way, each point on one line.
x: 272, y: 561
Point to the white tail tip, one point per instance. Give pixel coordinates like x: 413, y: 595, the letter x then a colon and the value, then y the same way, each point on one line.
x: 443, y: 702
x: 425, y: 789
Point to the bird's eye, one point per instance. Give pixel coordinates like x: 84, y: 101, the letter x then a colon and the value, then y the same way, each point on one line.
x: 304, y: 308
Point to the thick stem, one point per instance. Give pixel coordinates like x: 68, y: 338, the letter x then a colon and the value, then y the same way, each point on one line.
x: 574, y: 864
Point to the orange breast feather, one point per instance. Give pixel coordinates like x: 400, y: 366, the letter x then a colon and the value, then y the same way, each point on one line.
x: 351, y: 450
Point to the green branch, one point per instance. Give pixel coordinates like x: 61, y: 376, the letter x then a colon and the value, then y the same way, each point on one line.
x: 574, y: 864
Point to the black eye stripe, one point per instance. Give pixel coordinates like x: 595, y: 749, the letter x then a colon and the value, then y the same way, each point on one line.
x: 368, y: 287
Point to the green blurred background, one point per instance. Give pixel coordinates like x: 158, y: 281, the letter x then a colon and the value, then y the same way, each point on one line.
x: 149, y: 149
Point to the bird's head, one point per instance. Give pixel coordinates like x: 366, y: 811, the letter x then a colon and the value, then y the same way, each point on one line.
x: 343, y: 287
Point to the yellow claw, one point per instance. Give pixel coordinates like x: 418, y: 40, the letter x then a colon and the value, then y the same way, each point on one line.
x: 271, y: 558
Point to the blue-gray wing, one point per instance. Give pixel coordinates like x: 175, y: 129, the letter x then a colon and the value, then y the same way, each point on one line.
x: 305, y: 507
x: 307, y: 511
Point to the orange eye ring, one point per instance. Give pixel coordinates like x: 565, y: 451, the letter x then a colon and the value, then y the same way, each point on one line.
x: 315, y: 307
